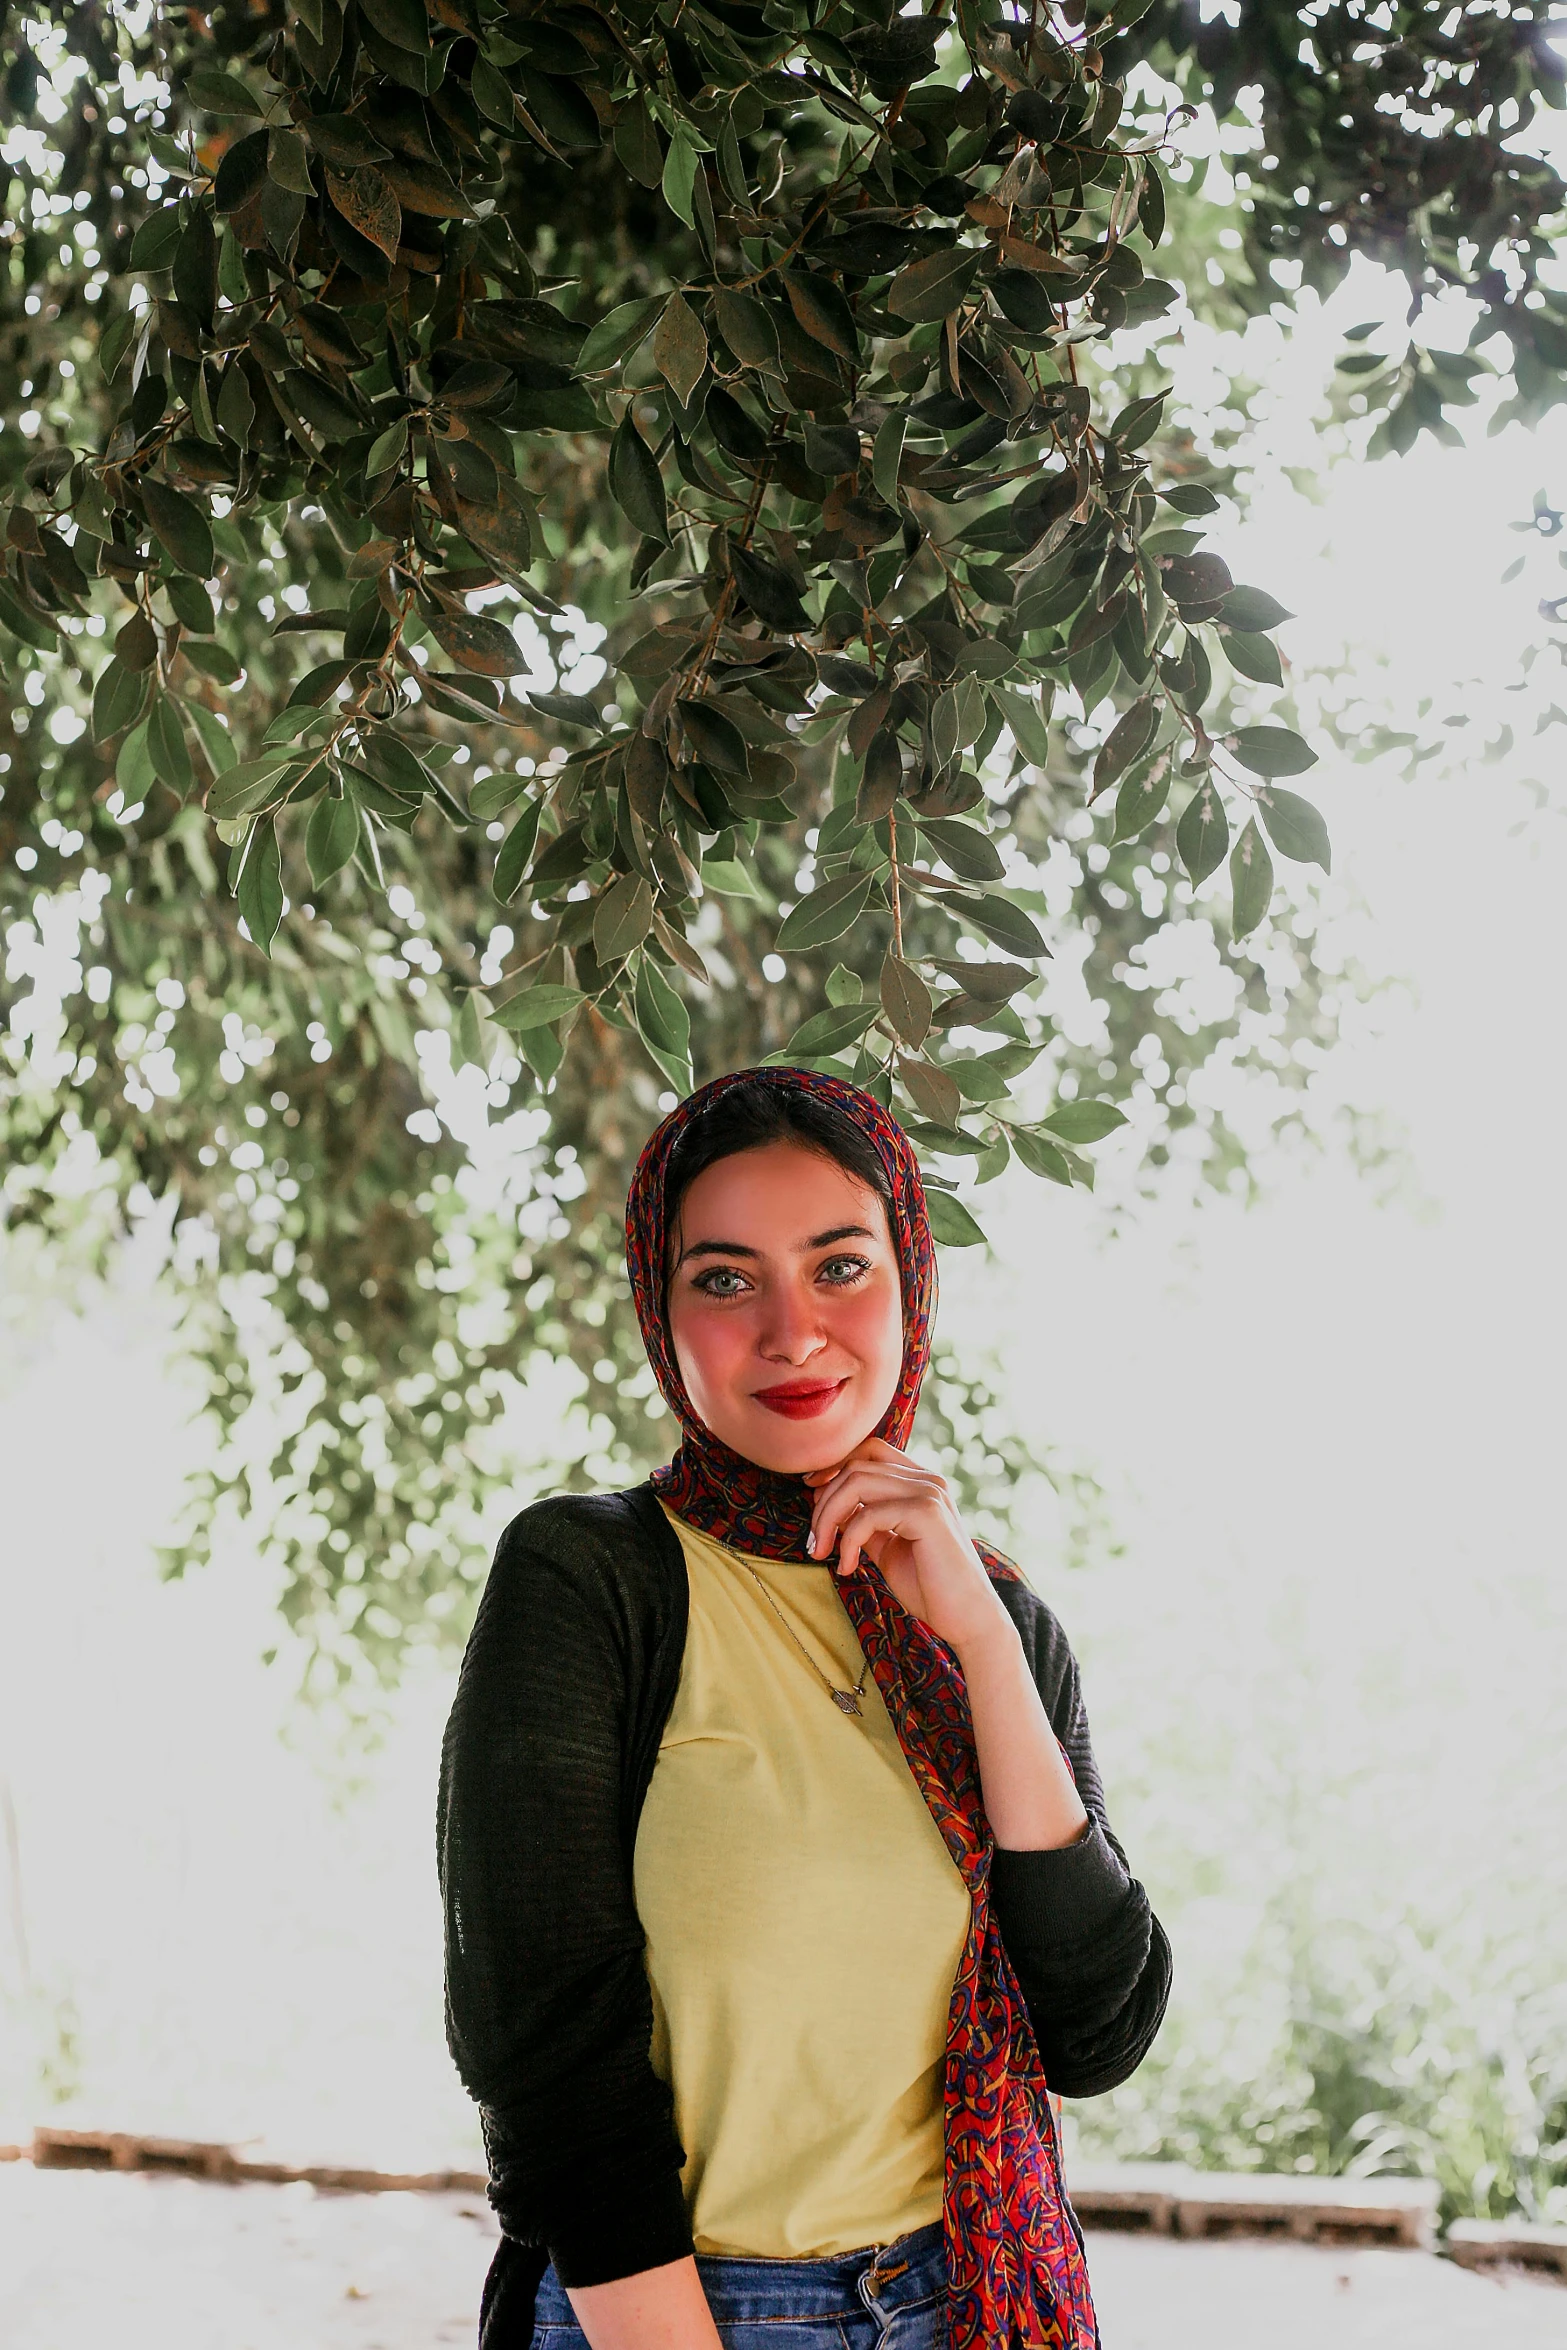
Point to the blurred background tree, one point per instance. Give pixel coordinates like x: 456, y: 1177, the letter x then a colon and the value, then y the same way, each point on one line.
x: 244, y: 448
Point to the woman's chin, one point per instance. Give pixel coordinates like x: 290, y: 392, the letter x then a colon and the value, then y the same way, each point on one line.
x: 791, y: 1448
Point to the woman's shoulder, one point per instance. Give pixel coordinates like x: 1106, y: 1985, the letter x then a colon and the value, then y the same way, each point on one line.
x: 621, y: 1524
x: 617, y: 1543
x: 579, y: 1574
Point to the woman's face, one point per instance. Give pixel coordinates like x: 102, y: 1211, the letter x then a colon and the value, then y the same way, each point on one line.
x: 785, y: 1306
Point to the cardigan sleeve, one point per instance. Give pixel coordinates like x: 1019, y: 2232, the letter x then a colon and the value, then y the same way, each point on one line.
x: 1092, y: 1960
x: 549, y: 2014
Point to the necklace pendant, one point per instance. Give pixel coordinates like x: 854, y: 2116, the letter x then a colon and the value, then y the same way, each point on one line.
x: 847, y: 1701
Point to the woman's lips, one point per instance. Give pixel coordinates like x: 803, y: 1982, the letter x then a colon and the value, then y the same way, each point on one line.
x: 801, y: 1399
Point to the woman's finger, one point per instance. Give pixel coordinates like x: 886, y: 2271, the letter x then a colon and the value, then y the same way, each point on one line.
x: 857, y: 1488
x: 863, y: 1525
x: 851, y: 1487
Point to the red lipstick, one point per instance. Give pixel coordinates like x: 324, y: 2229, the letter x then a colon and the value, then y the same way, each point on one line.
x: 801, y: 1399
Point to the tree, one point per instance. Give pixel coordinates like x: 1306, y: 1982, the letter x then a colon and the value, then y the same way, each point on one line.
x: 1399, y: 132
x: 757, y: 359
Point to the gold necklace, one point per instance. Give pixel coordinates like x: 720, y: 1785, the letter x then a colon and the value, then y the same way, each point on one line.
x: 846, y: 1700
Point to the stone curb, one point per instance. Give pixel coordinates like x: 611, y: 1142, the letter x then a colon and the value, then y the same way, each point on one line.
x: 1507, y: 2243
x: 1167, y: 2199
x: 200, y: 2158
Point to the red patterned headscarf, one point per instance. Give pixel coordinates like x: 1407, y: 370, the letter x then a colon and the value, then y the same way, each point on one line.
x: 1016, y: 2277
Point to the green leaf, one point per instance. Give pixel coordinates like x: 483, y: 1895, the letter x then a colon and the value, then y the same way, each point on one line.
x: 181, y: 528
x: 664, y: 1024
x: 1253, y: 656
x: 635, y: 483
x: 492, y: 94
x: 1025, y: 723
x: 254, y: 784
x: 1126, y: 742
x: 679, y: 177
x: 1081, y: 1122
x: 730, y: 879
x: 1272, y: 750
x: 1203, y: 834
x: 887, y: 455
x: 539, y: 1006
x: 169, y: 750
x: 1039, y: 1156
x: 680, y: 347
x: 1295, y: 828
x: 950, y: 1221
x: 492, y: 795
x: 825, y: 915
x: 516, y: 849
x: 618, y: 335
x: 1251, y: 881
x: 1252, y: 611
x: 471, y: 1046
x: 153, y: 245
x: 1141, y: 799
x: 260, y: 889
x: 386, y: 449
x: 971, y: 854
x: 218, y: 745
x: 221, y: 93
x: 331, y: 837
x: 636, y: 144
x: 823, y: 314
x: 30, y: 626
x: 931, y: 288
x: 829, y: 1031
x: 1189, y: 497
x: 715, y: 739
x: 978, y: 1079
x: 906, y: 1000
x: 1139, y: 421
x: 661, y: 1014
x: 932, y: 1090
x: 997, y: 918
x: 477, y: 643
x: 747, y: 327
x: 115, y: 340
x: 192, y: 604
x: 768, y: 589
x: 213, y: 660
x: 133, y: 769
x: 119, y: 697
x: 622, y: 918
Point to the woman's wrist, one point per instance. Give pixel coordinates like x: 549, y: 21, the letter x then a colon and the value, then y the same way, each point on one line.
x: 1030, y: 1795
x: 991, y: 1645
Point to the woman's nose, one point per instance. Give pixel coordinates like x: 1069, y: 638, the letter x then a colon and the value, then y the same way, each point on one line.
x: 791, y: 1328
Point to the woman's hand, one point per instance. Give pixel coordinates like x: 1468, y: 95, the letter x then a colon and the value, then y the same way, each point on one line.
x: 880, y: 1505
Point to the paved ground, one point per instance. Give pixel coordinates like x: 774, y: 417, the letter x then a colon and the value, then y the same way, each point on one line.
x: 94, y: 2261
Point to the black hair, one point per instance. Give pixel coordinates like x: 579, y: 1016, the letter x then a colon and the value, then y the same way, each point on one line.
x: 754, y: 1113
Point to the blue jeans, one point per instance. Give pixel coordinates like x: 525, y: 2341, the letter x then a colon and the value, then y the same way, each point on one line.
x: 892, y: 2297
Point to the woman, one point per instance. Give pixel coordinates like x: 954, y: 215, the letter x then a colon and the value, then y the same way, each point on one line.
x: 777, y: 1876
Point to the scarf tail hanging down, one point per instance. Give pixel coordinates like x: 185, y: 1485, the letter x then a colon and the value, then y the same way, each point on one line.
x: 1017, y: 2279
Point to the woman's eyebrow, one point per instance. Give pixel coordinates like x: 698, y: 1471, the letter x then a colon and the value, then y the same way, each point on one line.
x: 738, y: 1248
x: 718, y: 1248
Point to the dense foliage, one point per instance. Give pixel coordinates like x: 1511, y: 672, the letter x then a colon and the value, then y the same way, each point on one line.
x: 1401, y: 132
x: 589, y: 546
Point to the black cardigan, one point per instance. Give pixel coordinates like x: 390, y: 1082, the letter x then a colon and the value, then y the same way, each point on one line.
x: 568, y: 1680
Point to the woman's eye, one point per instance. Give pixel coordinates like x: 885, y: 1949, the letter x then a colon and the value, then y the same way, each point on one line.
x: 842, y: 1270
x: 722, y: 1281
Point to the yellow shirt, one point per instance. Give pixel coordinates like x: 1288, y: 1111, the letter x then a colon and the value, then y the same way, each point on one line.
x: 804, y: 1925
